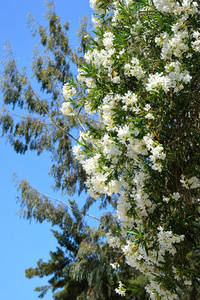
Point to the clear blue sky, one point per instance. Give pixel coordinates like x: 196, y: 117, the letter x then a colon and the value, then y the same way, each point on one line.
x: 22, y: 243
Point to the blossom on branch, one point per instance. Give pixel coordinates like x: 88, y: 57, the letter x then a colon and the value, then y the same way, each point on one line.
x: 140, y: 74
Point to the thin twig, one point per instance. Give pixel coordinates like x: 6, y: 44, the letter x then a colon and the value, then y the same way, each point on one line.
x: 5, y: 110
x: 58, y: 126
x: 65, y: 204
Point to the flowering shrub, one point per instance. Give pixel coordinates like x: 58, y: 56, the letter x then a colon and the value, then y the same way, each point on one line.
x: 141, y: 79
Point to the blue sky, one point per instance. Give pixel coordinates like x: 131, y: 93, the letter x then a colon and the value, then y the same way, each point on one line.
x: 22, y: 243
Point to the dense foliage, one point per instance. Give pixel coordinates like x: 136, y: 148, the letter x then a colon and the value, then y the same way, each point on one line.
x: 141, y: 77
x: 31, y: 120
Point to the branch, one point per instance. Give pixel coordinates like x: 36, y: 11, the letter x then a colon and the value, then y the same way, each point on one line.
x: 5, y: 110
x: 65, y: 204
x: 58, y: 126
x: 39, y: 98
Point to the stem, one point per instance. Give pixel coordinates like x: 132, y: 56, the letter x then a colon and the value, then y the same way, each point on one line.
x: 65, y: 204
x: 58, y: 126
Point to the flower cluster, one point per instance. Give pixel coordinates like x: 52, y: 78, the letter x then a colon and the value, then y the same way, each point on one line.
x: 121, y: 291
x: 68, y: 91
x: 138, y: 79
x: 191, y: 183
x: 67, y: 109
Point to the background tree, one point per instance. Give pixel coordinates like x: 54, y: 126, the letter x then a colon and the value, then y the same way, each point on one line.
x: 80, y: 267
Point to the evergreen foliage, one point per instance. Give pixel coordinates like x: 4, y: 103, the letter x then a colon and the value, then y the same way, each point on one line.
x: 80, y: 267
x: 41, y: 126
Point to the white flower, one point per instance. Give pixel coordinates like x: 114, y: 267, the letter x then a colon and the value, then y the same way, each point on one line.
x: 176, y: 196
x: 123, y: 133
x: 113, y: 241
x: 115, y: 265
x: 134, y: 69
x: 108, y: 38
x: 115, y: 79
x: 94, y: 4
x: 187, y: 282
x: 192, y: 183
x: 78, y: 153
x: 68, y: 91
x: 147, y: 107
x: 165, y: 199
x: 149, y: 116
x: 67, y: 109
x: 158, y: 81
x: 120, y: 290
x: 89, y: 83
